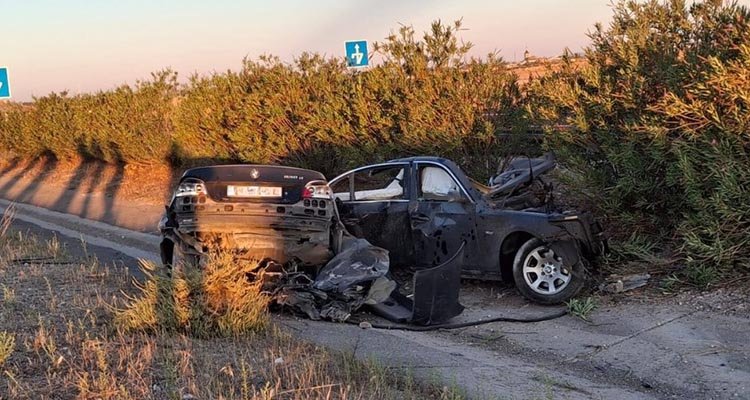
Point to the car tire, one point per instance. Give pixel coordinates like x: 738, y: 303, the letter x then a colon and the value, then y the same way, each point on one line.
x: 543, y: 276
x: 166, y: 250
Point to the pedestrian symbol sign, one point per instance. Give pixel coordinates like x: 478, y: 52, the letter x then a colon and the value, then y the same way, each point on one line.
x: 4, y: 85
x: 356, y: 53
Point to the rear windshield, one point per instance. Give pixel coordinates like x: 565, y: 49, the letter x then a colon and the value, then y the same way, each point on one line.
x: 252, y: 183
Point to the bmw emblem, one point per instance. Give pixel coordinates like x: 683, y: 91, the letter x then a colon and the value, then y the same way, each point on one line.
x: 254, y: 173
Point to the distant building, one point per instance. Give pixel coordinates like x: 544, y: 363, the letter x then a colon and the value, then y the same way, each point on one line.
x: 529, y: 59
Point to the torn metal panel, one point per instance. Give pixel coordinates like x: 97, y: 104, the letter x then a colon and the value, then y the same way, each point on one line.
x: 357, y: 263
x: 436, y: 291
x: 435, y: 297
x: 355, y: 276
x: 299, y: 300
x: 520, y: 171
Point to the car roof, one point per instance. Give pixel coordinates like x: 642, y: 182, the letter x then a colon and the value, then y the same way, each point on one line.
x: 440, y: 160
x: 249, y: 166
x: 450, y: 164
x: 238, y: 171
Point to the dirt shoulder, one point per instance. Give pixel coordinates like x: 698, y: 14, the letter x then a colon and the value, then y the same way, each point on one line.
x: 131, y: 196
x: 689, y: 345
x: 58, y: 340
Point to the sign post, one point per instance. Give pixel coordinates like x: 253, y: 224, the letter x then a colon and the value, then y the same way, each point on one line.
x: 4, y: 84
x: 356, y: 54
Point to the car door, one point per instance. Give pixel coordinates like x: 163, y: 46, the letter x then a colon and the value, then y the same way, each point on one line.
x: 442, y: 216
x: 373, y: 203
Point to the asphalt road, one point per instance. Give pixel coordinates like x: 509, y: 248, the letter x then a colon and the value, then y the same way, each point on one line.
x: 628, y: 352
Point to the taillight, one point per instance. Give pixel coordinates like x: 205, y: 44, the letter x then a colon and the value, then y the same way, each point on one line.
x: 316, y: 190
x: 192, y: 187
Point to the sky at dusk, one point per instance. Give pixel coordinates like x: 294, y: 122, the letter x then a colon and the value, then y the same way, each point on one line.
x: 84, y: 46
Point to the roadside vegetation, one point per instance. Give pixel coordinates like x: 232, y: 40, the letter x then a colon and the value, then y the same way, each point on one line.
x: 78, y: 329
x: 425, y: 98
x: 660, y: 134
x: 652, y: 129
x: 217, y: 300
x: 581, y: 307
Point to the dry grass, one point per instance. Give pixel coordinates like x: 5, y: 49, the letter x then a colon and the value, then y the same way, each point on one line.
x: 7, y: 343
x: 216, y: 301
x: 7, y: 218
x: 67, y: 345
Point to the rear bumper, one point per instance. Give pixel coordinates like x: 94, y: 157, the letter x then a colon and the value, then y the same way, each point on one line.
x: 281, y: 233
x: 232, y: 223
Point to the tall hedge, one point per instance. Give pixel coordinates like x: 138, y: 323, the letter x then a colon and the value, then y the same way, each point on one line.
x: 426, y: 97
x: 126, y: 124
x: 660, y: 125
x: 657, y: 122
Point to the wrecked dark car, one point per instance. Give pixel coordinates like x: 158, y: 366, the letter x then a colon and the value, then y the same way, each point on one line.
x: 274, y: 212
x: 285, y: 218
x: 327, y: 250
x: 424, y: 209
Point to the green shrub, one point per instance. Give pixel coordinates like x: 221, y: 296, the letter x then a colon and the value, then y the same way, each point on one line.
x: 426, y: 97
x: 581, y: 308
x: 126, y: 124
x: 659, y: 125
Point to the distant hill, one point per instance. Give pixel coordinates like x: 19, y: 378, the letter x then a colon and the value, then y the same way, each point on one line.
x: 535, y: 67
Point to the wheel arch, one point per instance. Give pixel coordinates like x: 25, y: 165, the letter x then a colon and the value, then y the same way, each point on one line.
x: 508, y: 249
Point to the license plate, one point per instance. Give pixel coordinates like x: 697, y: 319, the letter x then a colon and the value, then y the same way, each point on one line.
x: 253, y: 191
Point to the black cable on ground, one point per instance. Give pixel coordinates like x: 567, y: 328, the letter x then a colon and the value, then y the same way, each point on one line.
x: 418, y: 328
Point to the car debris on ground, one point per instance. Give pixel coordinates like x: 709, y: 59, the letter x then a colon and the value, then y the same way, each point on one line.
x: 353, y: 277
x: 358, y: 276
x: 619, y: 284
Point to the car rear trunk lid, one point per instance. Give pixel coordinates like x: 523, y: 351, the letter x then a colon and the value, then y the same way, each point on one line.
x: 254, y: 183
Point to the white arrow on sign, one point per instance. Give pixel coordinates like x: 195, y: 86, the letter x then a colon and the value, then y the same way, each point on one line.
x: 357, y: 55
x: 1, y: 85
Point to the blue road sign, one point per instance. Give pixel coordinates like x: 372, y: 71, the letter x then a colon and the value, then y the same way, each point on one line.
x: 356, y: 53
x: 4, y: 85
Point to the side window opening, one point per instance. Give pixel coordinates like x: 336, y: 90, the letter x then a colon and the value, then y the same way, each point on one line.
x: 436, y: 184
x: 340, y: 189
x: 380, y: 183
